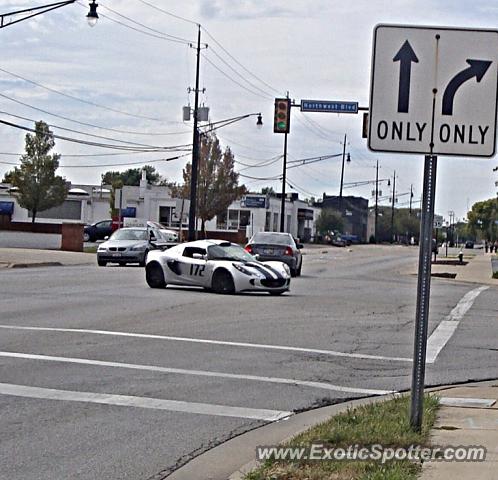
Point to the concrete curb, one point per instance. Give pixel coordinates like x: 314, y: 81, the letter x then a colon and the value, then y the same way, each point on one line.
x: 233, y: 459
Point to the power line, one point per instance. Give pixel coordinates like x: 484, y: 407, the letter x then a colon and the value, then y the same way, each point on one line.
x: 103, y: 145
x: 115, y: 130
x: 80, y: 133
x: 172, y: 38
x: 167, y: 13
x: 238, y: 63
x: 72, y: 97
x: 266, y: 97
x: 109, y: 164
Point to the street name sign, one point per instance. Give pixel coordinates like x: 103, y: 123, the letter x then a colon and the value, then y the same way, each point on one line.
x: 434, y: 91
x: 329, y: 106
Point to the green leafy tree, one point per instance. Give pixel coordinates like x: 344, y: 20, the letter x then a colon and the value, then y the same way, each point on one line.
x: 329, y: 220
x: 132, y: 176
x: 38, y: 187
x: 217, y: 181
x: 268, y: 191
x: 482, y: 219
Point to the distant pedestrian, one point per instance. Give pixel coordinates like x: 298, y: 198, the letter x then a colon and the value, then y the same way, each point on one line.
x: 496, y: 246
x: 486, y: 246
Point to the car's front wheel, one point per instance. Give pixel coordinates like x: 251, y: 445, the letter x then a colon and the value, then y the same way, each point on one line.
x: 101, y: 263
x: 86, y: 237
x: 223, y: 282
x: 154, y: 275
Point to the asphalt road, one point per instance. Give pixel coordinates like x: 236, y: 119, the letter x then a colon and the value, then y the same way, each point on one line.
x: 195, y: 368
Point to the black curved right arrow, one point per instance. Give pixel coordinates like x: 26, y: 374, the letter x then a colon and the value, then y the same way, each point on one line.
x: 477, y: 69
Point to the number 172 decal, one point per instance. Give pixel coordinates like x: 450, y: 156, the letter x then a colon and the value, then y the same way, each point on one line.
x: 197, y: 270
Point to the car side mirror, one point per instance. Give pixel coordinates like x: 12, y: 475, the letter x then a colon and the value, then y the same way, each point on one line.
x: 299, y: 245
x: 151, y: 236
x: 198, y: 256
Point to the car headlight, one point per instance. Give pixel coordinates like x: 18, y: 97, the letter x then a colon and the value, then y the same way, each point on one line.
x: 138, y: 248
x: 286, y: 268
x: 245, y: 271
x: 101, y: 249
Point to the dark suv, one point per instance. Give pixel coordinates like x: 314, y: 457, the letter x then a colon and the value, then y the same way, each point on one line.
x: 97, y: 231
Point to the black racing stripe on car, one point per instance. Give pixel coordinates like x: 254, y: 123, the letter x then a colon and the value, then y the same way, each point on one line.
x: 259, y: 268
x: 276, y: 272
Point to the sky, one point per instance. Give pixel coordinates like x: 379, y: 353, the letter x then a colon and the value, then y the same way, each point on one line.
x: 127, y: 79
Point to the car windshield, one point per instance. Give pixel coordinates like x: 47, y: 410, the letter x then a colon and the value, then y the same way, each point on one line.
x: 129, y: 234
x: 229, y: 252
x: 272, y: 238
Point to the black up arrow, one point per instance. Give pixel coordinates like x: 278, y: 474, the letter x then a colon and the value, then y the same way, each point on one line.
x: 405, y: 56
x: 477, y: 69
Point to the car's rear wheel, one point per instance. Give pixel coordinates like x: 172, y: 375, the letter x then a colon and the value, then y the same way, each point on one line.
x: 276, y: 292
x: 101, y: 263
x: 299, y: 270
x: 154, y: 275
x: 223, y: 282
x: 293, y: 272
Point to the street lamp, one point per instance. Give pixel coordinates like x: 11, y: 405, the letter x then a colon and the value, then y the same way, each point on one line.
x: 92, y: 16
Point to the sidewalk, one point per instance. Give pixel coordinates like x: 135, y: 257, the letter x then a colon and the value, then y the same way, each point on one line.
x: 25, y: 257
x: 477, y: 270
x: 468, y: 417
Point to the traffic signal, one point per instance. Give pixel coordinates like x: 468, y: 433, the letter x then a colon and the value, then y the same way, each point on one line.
x: 282, y: 115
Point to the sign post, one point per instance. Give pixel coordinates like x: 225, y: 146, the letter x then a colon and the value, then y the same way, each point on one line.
x: 434, y: 92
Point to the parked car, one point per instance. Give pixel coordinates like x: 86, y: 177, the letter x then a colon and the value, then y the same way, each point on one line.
x: 97, y: 231
x: 129, y: 245
x: 216, y: 265
x: 469, y: 244
x: 277, y: 246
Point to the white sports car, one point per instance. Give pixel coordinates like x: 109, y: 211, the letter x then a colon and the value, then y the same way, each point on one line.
x: 216, y: 265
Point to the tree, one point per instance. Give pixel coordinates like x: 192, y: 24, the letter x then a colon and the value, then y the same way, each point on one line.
x: 329, y: 220
x: 482, y: 219
x: 268, y: 191
x: 132, y: 176
x: 38, y: 187
x: 218, y: 182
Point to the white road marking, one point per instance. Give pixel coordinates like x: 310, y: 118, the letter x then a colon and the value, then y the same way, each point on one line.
x: 203, y: 373
x: 212, y: 342
x: 142, y: 402
x: 445, y: 330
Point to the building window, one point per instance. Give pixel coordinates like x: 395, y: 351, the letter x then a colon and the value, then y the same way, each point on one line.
x: 275, y: 222
x: 288, y: 224
x: 165, y: 215
x: 233, y: 219
x: 245, y: 218
x: 267, y: 221
x: 221, y: 221
x: 237, y: 219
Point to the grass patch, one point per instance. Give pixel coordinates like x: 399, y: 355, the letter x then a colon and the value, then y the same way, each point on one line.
x: 90, y: 249
x: 385, y: 423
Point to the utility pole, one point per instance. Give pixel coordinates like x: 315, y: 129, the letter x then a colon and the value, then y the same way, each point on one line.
x: 284, y: 175
x: 342, y: 170
x: 411, y: 197
x: 195, y: 151
x: 392, y: 208
x: 376, y: 199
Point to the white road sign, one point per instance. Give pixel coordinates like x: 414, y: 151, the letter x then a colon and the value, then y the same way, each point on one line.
x: 434, y: 87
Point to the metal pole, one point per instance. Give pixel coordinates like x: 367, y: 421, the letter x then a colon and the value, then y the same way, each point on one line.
x: 392, y: 208
x: 284, y: 172
x: 423, y: 292
x: 342, y: 170
x: 195, y: 150
x: 376, y: 199
x: 411, y: 196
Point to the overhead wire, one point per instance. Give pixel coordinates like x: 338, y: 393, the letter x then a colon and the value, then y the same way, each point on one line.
x: 102, y: 145
x: 86, y: 124
x: 78, y: 99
